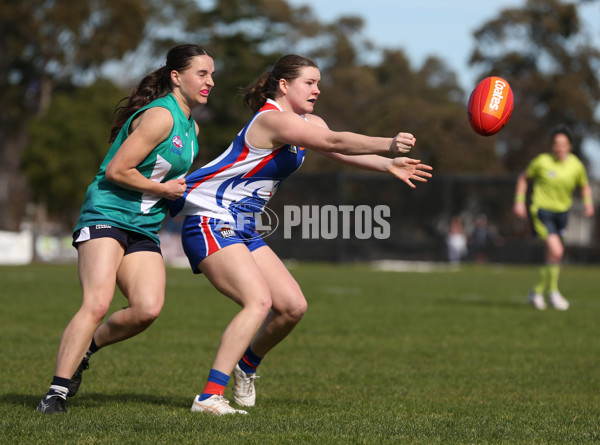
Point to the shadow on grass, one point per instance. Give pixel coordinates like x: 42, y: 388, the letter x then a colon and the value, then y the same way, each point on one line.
x: 91, y: 400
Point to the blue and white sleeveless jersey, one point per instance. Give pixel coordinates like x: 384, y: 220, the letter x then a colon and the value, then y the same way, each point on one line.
x: 241, y: 180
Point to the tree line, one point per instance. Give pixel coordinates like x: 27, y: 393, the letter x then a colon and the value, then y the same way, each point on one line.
x: 65, y: 65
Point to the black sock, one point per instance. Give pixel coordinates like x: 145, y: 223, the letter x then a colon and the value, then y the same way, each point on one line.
x: 93, y: 347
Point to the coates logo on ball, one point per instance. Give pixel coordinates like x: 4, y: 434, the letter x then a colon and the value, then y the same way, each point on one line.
x: 490, y: 106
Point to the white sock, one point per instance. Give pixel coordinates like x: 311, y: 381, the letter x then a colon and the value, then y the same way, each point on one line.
x: 60, y: 391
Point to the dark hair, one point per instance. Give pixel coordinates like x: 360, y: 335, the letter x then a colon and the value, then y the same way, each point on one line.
x: 562, y: 129
x: 287, y: 67
x: 155, y: 84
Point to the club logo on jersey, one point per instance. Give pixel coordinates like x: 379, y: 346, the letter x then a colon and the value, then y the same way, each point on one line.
x: 250, y: 216
x: 293, y: 149
x: 176, y: 145
x: 226, y: 232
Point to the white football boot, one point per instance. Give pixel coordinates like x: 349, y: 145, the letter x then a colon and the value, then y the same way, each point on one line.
x: 557, y: 301
x: 244, y: 393
x: 536, y: 300
x: 215, y: 404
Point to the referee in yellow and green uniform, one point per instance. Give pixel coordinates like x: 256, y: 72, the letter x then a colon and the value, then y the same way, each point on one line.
x: 554, y: 176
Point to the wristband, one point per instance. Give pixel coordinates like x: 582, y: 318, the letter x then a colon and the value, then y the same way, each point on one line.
x: 519, y: 197
x: 587, y: 200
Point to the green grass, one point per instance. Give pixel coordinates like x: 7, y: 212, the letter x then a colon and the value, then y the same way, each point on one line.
x: 380, y: 358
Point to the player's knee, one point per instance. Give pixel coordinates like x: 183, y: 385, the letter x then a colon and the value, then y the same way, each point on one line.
x: 96, y: 310
x: 555, y: 250
x: 555, y: 255
x: 299, y: 310
x: 295, y: 309
x: 261, y: 305
x: 146, y: 315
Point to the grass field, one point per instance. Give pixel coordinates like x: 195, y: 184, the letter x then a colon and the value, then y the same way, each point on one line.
x: 380, y: 358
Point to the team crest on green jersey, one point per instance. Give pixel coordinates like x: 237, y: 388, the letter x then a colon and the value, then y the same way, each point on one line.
x: 176, y: 145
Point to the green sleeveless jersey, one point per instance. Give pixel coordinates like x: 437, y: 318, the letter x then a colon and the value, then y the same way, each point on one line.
x: 107, y: 203
x: 555, y: 181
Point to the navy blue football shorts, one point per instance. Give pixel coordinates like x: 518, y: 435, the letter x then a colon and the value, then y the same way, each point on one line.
x: 545, y: 222
x: 132, y: 241
x: 202, y: 236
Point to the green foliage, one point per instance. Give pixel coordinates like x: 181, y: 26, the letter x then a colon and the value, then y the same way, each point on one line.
x: 390, y: 97
x: 245, y: 37
x: 68, y: 144
x: 448, y: 357
x: 46, y: 43
x: 540, y: 48
x: 58, y: 40
x: 544, y: 53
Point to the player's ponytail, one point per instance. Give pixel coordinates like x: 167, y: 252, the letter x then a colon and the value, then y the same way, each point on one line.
x: 265, y: 87
x: 154, y: 85
x: 262, y: 89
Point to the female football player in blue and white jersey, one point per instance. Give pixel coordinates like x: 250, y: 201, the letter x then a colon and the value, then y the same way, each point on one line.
x: 154, y: 141
x: 223, y: 198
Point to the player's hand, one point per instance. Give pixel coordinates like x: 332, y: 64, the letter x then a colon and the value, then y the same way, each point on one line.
x: 589, y: 210
x: 520, y: 209
x: 406, y: 169
x: 402, y: 143
x: 174, y: 189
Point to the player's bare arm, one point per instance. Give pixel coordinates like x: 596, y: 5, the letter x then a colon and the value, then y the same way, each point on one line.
x: 274, y: 129
x: 519, y: 207
x: 149, y: 130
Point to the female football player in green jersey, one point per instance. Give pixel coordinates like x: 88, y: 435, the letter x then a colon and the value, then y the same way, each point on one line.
x: 154, y: 141
x: 555, y: 176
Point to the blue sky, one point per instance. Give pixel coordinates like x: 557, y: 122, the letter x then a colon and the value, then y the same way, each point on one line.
x: 443, y: 28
